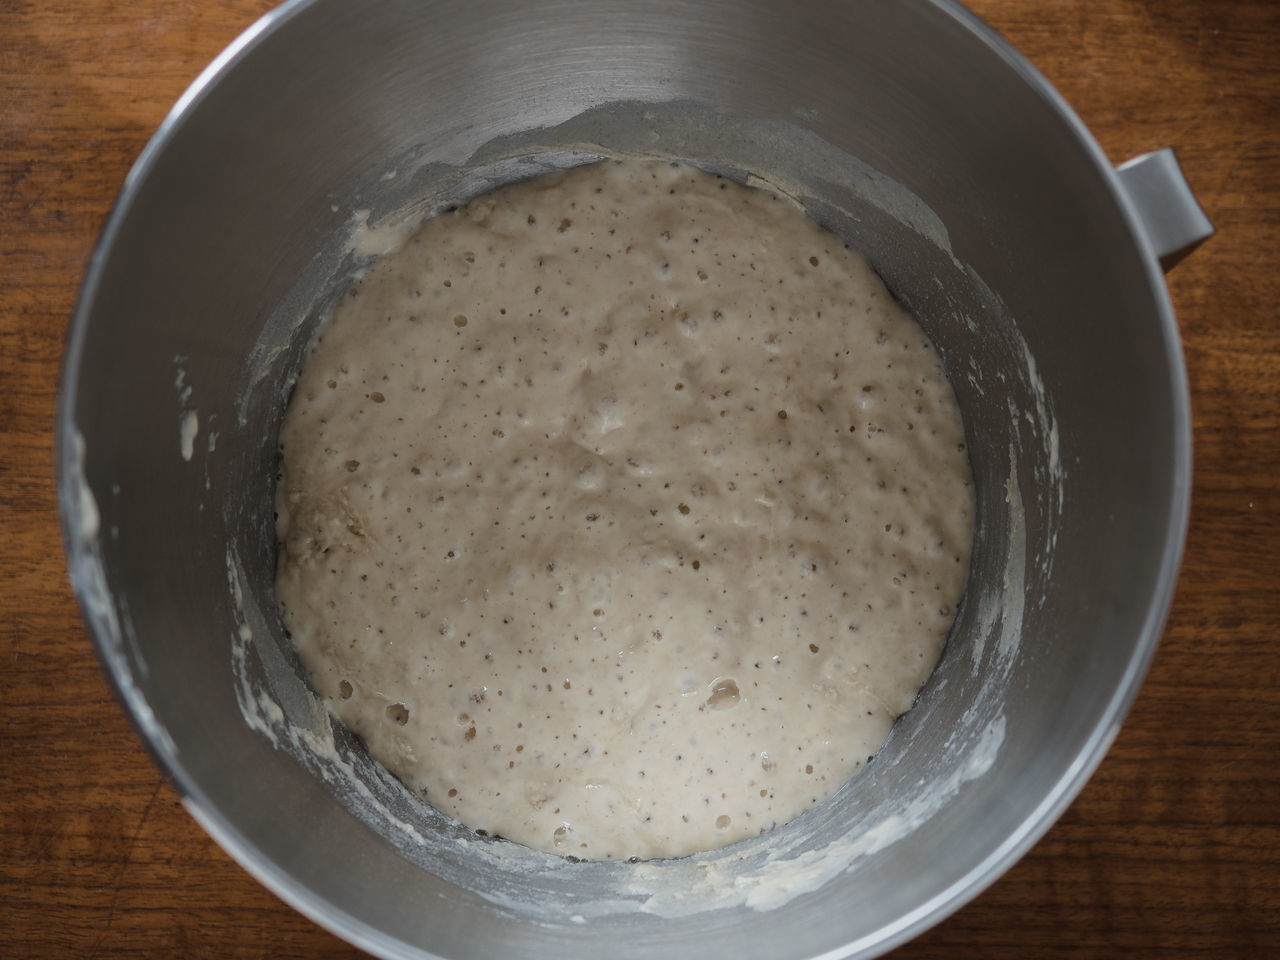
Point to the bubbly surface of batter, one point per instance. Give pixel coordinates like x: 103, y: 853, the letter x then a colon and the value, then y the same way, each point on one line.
x: 622, y: 511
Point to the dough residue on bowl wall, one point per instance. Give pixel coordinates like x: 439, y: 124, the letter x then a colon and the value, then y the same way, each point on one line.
x: 426, y: 186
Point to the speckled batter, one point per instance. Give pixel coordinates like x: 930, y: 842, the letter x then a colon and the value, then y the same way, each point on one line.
x: 622, y: 511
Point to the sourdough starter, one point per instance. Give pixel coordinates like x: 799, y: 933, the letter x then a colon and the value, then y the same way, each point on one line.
x: 622, y: 511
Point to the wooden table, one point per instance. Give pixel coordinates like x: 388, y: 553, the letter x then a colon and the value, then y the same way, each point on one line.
x: 1172, y: 850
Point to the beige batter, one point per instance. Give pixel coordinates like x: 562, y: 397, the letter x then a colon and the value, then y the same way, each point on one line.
x: 622, y: 511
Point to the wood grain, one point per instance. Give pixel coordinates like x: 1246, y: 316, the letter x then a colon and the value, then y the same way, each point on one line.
x: 1173, y: 849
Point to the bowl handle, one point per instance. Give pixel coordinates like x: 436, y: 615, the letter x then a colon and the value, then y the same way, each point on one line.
x: 1170, y: 216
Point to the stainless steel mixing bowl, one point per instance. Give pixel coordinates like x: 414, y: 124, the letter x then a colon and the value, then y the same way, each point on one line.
x: 907, y: 127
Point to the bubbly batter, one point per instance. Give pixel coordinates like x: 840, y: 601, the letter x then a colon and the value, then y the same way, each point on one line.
x: 622, y: 511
